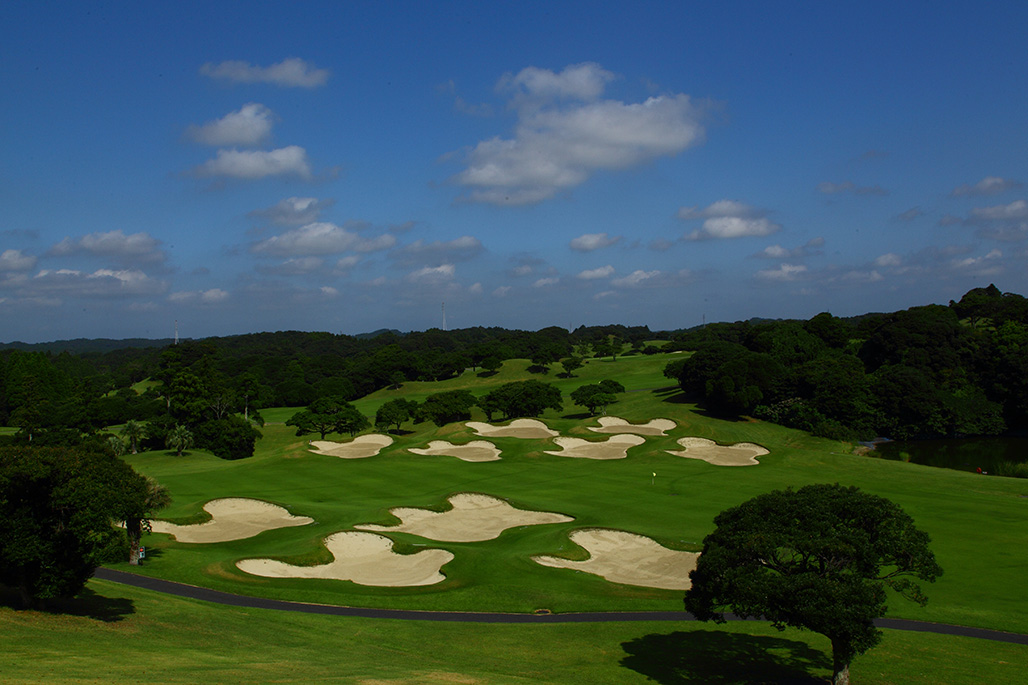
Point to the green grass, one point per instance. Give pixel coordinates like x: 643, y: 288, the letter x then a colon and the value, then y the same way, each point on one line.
x: 977, y: 527
x: 121, y: 634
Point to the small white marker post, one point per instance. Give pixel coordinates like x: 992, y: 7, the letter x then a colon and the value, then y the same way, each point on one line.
x: 653, y: 479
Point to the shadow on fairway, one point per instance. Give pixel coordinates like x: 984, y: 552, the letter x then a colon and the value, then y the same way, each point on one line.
x: 87, y: 604
x: 723, y: 658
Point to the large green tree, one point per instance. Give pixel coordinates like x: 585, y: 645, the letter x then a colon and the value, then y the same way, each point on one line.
x: 446, y: 407
x: 818, y: 558
x: 523, y: 398
x: 328, y: 415
x: 58, y: 506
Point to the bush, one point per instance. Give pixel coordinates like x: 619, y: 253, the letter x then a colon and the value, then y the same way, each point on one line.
x: 1012, y: 469
x: 229, y: 438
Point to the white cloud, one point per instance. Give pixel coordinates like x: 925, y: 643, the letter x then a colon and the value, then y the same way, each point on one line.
x: 601, y: 272
x: 636, y: 279
x: 137, y: 247
x: 785, y: 272
x: 100, y: 283
x: 257, y: 164
x: 588, y: 242
x: 888, y: 259
x: 584, y: 82
x: 433, y: 274
x: 212, y: 296
x: 559, y: 146
x: 16, y: 260
x: 248, y: 126
x: 296, y: 266
x: 348, y: 262
x: 502, y: 291
x: 475, y: 288
x: 827, y: 188
x: 293, y: 211
x: 990, y: 185
x: 910, y: 214
x: 320, y: 238
x: 728, y: 219
x: 810, y: 248
x: 329, y: 291
x: 290, y: 73
x: 438, y: 252
x: 1015, y: 210
x: 543, y: 282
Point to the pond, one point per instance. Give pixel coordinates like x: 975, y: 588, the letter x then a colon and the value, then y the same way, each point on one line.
x: 962, y: 454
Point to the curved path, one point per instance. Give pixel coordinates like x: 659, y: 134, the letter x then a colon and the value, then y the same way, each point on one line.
x: 193, y: 592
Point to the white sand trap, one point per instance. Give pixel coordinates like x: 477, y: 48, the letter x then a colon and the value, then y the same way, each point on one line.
x: 360, y: 447
x: 476, y: 450
x: 474, y: 518
x: 614, y: 447
x: 628, y: 558
x: 364, y: 558
x: 739, y: 454
x: 612, y: 424
x: 233, y: 518
x: 518, y: 428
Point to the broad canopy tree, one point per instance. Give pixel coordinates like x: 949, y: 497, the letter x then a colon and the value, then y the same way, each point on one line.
x: 817, y: 558
x: 59, y: 506
x: 329, y: 415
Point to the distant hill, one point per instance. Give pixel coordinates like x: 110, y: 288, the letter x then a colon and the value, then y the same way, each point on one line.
x: 87, y: 345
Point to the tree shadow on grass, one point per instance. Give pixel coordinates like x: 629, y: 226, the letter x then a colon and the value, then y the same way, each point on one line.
x: 87, y: 604
x: 719, y: 658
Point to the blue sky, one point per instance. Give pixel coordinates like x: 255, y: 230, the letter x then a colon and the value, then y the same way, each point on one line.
x: 349, y: 166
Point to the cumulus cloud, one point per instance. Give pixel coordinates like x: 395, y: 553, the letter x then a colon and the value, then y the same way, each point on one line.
x: 565, y: 134
x: 889, y: 259
x: 592, y: 274
x: 828, y: 188
x: 292, y: 72
x: 810, y: 248
x: 250, y: 125
x: 990, y: 185
x: 439, y: 252
x: 320, y: 238
x: 588, y: 242
x: 636, y: 279
x: 502, y: 291
x: 293, y: 211
x: 212, y: 296
x: 256, y: 164
x: 136, y: 247
x: 1001, y: 222
x: 544, y: 282
x: 16, y: 260
x: 99, y: 283
x: 785, y: 272
x: 728, y: 219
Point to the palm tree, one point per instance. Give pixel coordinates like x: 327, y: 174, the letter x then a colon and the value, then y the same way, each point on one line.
x: 134, y: 431
x: 116, y: 444
x: 179, y: 438
x: 156, y: 497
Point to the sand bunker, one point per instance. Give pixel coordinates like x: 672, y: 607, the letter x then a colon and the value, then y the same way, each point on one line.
x: 233, y: 518
x: 360, y: 447
x: 739, y: 454
x: 628, y: 558
x: 364, y: 558
x: 474, y: 518
x: 476, y: 450
x: 518, y: 428
x: 614, y: 447
x: 612, y: 424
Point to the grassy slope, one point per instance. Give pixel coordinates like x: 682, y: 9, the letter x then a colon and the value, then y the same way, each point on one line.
x: 151, y: 638
x: 976, y: 523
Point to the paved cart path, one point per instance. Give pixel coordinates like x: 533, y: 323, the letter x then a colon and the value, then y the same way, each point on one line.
x: 218, y: 597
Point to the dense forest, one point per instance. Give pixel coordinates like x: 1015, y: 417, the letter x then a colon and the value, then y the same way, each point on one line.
x: 934, y: 370
x: 927, y: 371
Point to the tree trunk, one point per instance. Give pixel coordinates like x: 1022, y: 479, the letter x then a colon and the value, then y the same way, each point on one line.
x: 840, y: 666
x: 134, y: 528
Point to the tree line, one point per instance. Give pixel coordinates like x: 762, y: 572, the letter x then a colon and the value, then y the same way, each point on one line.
x: 933, y: 370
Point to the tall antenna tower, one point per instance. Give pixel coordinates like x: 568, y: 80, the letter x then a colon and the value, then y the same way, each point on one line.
x: 176, y: 331
x: 444, y: 316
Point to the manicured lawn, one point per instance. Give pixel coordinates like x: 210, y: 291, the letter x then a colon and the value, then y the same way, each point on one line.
x: 977, y: 525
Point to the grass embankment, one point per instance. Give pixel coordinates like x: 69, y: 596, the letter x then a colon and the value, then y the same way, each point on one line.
x: 976, y: 524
